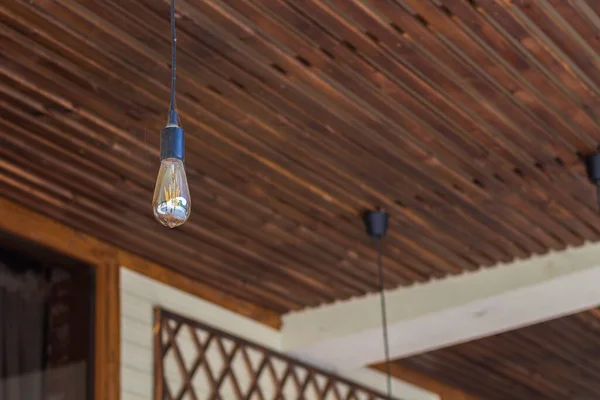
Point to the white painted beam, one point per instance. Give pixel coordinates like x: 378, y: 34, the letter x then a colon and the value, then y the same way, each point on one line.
x: 347, y: 335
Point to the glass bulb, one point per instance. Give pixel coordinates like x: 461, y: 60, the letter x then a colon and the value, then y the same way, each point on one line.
x: 171, y: 203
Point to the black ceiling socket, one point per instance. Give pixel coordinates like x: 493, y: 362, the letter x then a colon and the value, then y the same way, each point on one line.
x: 592, y: 164
x: 376, y: 223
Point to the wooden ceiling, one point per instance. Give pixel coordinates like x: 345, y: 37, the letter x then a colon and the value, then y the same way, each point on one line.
x: 558, y: 360
x: 466, y: 120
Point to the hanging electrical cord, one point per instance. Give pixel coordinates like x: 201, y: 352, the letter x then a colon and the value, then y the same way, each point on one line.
x: 376, y: 223
x: 386, y: 343
x: 173, y: 57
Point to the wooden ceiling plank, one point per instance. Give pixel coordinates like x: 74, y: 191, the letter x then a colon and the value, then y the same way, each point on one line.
x: 560, y: 37
x: 580, y: 227
x: 566, y: 234
x: 458, y: 376
x: 519, y: 218
x: 432, y: 244
x: 461, y: 9
x: 318, y: 123
x: 383, y: 60
x: 530, y: 99
x: 120, y: 196
x: 574, y: 345
x: 553, y: 358
x: 521, y: 122
x: 557, y: 361
x: 250, y: 11
x: 543, y: 360
x: 530, y: 72
x: 514, y: 369
x: 105, y: 186
x: 148, y: 194
x: 339, y: 74
x: 544, y: 51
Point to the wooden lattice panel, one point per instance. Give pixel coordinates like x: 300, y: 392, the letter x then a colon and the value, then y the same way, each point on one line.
x: 194, y: 361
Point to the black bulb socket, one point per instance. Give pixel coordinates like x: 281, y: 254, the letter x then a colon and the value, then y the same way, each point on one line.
x: 592, y: 164
x: 172, y: 139
x: 376, y: 223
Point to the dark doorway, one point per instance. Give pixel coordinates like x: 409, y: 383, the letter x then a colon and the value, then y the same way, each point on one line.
x: 46, y: 323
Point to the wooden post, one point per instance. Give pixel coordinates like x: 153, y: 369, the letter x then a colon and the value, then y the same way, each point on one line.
x: 108, y: 338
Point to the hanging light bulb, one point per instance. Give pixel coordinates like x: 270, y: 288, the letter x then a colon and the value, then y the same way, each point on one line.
x: 172, y: 203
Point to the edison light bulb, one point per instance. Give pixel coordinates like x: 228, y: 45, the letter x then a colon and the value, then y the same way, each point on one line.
x: 171, y: 202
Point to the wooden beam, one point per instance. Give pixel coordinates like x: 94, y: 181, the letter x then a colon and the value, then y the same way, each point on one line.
x: 20, y: 221
x: 446, y: 392
x: 108, y: 335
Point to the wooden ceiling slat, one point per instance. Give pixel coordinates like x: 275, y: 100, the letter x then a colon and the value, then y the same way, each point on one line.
x: 560, y: 37
x: 250, y: 11
x: 146, y: 194
x: 553, y: 360
x: 534, y: 75
x: 420, y: 4
x: 238, y: 3
x: 342, y: 278
x: 538, y: 55
x: 465, y: 120
x: 78, y: 200
x: 530, y: 100
x: 452, y: 31
x: 118, y: 197
x: 449, y: 255
x: 515, y: 369
x: 330, y: 21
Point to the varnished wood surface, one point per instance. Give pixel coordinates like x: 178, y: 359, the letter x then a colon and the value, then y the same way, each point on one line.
x: 443, y: 390
x: 107, y: 337
x: 555, y: 360
x: 466, y: 120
